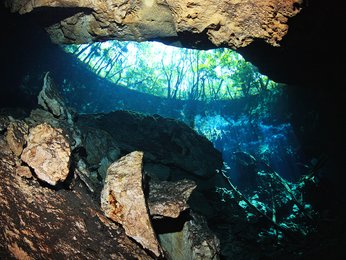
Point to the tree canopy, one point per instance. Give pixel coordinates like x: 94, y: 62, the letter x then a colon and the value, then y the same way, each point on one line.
x: 175, y: 73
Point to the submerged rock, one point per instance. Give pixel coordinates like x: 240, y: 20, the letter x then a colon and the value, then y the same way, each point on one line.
x: 123, y: 201
x: 164, y: 141
x: 4, y: 122
x: 48, y: 153
x: 169, y: 199
x: 51, y: 101
x: 194, y: 241
x: 41, y: 223
x: 16, y: 135
x: 101, y: 149
x: 55, y: 112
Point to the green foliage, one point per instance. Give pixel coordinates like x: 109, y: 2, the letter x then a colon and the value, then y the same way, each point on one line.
x: 171, y: 72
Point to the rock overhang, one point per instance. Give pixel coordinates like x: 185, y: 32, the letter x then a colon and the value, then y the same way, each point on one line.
x: 232, y: 23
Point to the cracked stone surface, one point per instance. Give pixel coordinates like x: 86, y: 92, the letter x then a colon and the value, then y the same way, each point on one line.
x: 232, y: 23
x: 40, y: 223
x: 48, y: 153
x: 123, y: 201
x: 169, y: 199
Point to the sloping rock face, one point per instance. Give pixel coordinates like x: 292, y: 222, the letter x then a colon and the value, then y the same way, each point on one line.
x: 41, y: 223
x: 232, y: 23
x: 123, y: 201
x: 163, y: 141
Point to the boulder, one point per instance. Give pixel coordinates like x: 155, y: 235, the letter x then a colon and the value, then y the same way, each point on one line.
x: 164, y: 141
x: 169, y: 199
x: 50, y: 99
x: 123, y: 201
x: 48, y: 153
x: 194, y: 241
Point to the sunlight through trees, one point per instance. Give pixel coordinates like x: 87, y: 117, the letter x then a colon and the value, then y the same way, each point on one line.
x: 172, y: 72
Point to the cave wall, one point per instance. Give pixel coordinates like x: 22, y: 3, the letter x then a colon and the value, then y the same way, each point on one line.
x: 232, y: 23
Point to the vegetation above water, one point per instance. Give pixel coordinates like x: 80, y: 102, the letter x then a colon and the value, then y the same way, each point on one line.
x: 171, y: 72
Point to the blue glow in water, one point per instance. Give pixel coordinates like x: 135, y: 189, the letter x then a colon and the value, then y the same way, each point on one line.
x: 271, y: 145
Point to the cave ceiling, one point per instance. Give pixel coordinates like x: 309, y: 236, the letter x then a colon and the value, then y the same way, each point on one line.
x: 287, y: 40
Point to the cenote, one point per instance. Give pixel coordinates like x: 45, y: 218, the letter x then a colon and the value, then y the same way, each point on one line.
x: 152, y: 130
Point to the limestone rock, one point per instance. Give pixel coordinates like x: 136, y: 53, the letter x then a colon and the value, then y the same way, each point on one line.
x: 41, y: 223
x: 234, y: 23
x: 164, y: 141
x: 51, y: 100
x: 101, y: 149
x: 16, y: 135
x: 194, y: 241
x: 169, y: 199
x: 55, y: 112
x: 48, y: 153
x: 85, y: 175
x: 123, y: 201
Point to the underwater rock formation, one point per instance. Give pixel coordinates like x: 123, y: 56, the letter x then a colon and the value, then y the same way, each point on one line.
x: 123, y: 201
x: 48, y: 153
x: 67, y: 213
x: 194, y: 241
x: 17, y: 132
x: 163, y: 141
x: 169, y: 199
x: 51, y: 101
x: 101, y: 150
x: 54, y: 106
x: 40, y: 223
x: 231, y: 23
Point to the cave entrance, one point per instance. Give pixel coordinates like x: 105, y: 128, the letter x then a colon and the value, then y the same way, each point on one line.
x: 217, y: 92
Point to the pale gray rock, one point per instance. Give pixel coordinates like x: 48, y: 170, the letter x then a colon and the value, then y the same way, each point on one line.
x: 48, y: 153
x: 195, y: 241
x: 55, y: 111
x: 51, y: 101
x: 123, y: 201
x: 169, y: 199
x: 85, y: 175
x: 100, y: 148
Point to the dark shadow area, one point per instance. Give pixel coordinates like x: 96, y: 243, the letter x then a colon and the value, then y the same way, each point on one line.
x: 47, y: 16
x: 171, y: 225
